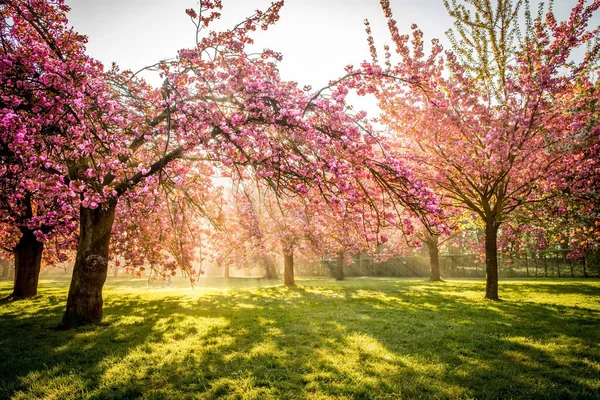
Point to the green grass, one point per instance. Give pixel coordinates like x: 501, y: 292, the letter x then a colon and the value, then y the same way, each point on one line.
x: 358, y: 339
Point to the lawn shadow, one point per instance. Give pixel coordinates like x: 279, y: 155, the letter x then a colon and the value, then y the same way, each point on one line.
x: 372, y: 339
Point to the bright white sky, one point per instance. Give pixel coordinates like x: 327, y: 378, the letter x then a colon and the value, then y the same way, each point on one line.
x: 317, y: 37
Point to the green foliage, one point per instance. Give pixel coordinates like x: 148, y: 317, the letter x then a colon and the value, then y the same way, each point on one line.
x: 356, y: 339
x: 486, y: 36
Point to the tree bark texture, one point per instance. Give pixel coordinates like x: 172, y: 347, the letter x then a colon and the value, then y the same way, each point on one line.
x: 28, y: 259
x: 84, y: 303
x: 288, y: 263
x: 491, y: 260
x: 432, y: 243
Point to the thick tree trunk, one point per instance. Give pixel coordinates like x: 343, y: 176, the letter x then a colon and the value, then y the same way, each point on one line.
x: 432, y: 243
x: 340, y: 266
x: 288, y: 275
x: 491, y: 260
x: 28, y: 259
x: 270, y: 269
x: 84, y: 304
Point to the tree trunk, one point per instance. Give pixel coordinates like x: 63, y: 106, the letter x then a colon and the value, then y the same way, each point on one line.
x: 491, y: 260
x: 115, y: 271
x: 11, y: 272
x: 28, y: 259
x: 84, y: 304
x: 340, y: 266
x: 270, y: 269
x: 526, y: 264
x: 5, y: 268
x: 226, y: 271
x: 570, y: 267
x: 585, y: 274
x: 434, y: 258
x: 288, y: 263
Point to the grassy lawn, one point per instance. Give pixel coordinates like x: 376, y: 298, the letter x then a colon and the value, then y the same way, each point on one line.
x: 358, y: 339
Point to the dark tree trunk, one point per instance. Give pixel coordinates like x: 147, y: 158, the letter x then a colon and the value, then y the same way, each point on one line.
x: 270, y: 269
x: 288, y: 275
x: 491, y: 260
x: 340, y: 266
x: 84, y: 304
x: 570, y: 267
x: 28, y: 259
x: 434, y: 257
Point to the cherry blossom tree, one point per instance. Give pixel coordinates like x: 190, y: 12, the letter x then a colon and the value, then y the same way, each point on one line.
x: 577, y: 200
x: 37, y: 95
x: 490, y: 118
x: 259, y: 225
x: 160, y: 229
x: 112, y: 136
x: 244, y: 236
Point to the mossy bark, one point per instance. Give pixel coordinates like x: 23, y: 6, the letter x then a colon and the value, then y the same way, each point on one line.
x: 84, y: 303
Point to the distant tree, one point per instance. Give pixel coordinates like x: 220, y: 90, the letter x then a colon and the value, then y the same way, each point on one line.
x: 5, y: 263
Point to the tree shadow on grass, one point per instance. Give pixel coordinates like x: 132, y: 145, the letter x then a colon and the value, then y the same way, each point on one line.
x: 378, y: 340
x: 591, y: 288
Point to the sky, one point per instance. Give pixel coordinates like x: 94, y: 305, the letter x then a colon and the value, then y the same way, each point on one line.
x: 317, y: 38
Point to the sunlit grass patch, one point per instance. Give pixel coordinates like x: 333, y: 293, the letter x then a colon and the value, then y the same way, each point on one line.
x: 360, y: 338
